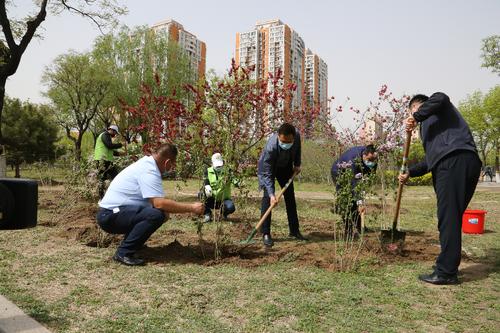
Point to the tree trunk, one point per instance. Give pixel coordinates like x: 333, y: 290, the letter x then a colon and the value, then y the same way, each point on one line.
x: 2, y: 96
x: 78, y: 150
x: 497, y: 156
x: 3, y: 165
x: 15, y: 51
x: 78, y: 147
x: 18, y: 173
x: 483, y: 155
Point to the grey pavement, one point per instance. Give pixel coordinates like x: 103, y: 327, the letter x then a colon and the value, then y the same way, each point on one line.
x: 14, y: 320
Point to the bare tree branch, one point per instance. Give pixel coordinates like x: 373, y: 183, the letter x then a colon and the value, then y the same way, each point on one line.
x: 84, y: 14
x: 4, y: 21
x: 32, y: 26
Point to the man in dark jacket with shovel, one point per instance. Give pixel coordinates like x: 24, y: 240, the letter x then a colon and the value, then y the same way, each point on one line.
x: 279, y: 160
x: 451, y: 156
x: 361, y: 161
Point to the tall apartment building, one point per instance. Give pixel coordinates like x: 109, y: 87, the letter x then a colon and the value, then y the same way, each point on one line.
x: 272, y: 45
x: 372, y: 129
x: 316, y: 81
x: 194, y: 48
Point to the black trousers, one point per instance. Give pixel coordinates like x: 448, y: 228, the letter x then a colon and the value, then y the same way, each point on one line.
x: 454, y: 178
x: 282, y: 176
x: 136, y: 222
x: 105, y: 170
x: 351, y: 218
x: 227, y: 206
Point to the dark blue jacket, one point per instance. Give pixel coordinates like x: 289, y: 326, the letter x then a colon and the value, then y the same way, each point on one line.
x: 354, y: 156
x: 442, y: 130
x: 266, y: 171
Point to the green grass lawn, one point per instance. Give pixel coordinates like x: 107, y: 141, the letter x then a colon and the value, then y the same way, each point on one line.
x: 68, y: 286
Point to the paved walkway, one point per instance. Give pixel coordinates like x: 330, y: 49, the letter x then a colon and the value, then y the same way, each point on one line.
x: 322, y: 195
x: 14, y: 320
x: 488, y: 186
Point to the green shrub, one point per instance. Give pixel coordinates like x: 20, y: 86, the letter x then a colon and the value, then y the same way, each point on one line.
x: 316, y: 163
x: 424, y: 180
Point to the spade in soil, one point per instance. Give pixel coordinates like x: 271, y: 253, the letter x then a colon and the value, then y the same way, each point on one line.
x: 250, y: 237
x: 394, y: 238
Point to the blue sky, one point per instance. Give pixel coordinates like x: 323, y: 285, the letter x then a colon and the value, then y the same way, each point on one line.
x: 412, y: 46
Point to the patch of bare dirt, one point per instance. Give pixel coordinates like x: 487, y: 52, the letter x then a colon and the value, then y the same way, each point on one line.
x: 77, y: 221
x: 320, y: 251
x: 75, y: 218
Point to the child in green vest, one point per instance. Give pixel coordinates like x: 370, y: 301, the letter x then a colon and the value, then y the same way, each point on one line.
x: 217, y: 189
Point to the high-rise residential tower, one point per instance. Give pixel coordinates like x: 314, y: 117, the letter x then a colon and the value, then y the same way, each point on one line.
x: 272, y: 45
x: 194, y: 48
x: 316, y: 74
x: 372, y: 129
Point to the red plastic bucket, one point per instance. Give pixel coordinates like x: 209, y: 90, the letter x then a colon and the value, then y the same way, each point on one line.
x: 473, y: 221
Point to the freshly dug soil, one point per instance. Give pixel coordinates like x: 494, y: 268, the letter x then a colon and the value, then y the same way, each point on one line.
x: 177, y: 246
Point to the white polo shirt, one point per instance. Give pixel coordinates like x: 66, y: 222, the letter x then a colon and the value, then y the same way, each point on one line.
x: 135, y: 185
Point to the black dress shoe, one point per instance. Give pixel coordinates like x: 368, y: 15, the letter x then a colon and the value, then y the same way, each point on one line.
x: 128, y: 260
x: 434, y: 278
x: 298, y: 236
x: 268, y: 241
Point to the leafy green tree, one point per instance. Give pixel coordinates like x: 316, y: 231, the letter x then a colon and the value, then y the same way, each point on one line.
x: 30, y: 132
x: 18, y: 33
x: 478, y: 119
x: 77, y: 86
x: 492, y: 108
x: 417, y: 152
x: 139, y: 57
x: 491, y: 53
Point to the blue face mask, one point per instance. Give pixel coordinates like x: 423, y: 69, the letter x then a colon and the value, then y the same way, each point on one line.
x: 370, y: 164
x: 285, y: 146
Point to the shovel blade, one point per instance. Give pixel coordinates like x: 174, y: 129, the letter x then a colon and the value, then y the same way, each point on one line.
x: 393, y: 235
x: 250, y: 237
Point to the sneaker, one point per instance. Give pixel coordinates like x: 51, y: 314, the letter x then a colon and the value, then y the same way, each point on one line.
x: 207, y: 218
x: 267, y: 240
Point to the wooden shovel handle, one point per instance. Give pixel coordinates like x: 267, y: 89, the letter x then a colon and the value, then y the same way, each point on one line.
x: 362, y: 221
x: 403, y: 170
x: 268, y: 211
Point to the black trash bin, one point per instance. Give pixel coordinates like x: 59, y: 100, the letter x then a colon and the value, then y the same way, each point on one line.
x: 18, y: 202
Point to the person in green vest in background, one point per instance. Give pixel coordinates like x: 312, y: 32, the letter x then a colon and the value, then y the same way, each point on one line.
x: 104, y: 155
x: 217, y: 188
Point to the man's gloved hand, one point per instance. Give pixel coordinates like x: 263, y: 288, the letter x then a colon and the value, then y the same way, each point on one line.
x: 208, y: 191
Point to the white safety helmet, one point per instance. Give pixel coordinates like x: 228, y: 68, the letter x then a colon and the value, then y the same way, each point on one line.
x: 114, y: 127
x: 217, y: 160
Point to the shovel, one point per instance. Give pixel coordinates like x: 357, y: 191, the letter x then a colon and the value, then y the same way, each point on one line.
x: 393, y: 235
x: 249, y: 239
